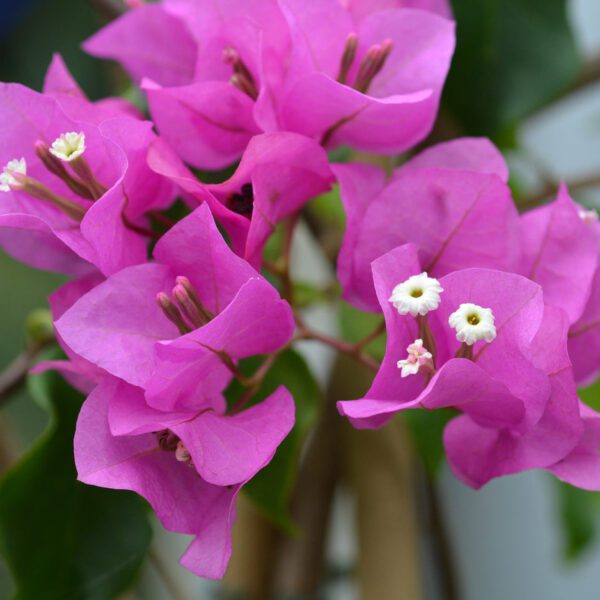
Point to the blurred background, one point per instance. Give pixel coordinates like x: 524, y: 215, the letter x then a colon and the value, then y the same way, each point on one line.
x: 527, y: 74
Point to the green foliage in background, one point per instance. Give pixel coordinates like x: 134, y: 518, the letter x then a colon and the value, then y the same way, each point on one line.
x: 272, y: 487
x: 512, y: 57
x: 63, y: 539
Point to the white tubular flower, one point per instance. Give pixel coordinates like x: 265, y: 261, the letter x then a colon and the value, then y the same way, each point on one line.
x: 17, y: 165
x: 473, y: 323
x: 588, y: 216
x: 417, y: 295
x: 418, y: 356
x: 182, y: 454
x: 68, y: 146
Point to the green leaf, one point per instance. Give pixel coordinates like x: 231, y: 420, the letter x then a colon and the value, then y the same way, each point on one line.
x: 512, y: 57
x: 48, y: 27
x: 328, y: 207
x: 271, y: 488
x: 426, y: 428
x: 356, y: 325
x: 579, y: 517
x: 60, y: 538
x: 591, y: 395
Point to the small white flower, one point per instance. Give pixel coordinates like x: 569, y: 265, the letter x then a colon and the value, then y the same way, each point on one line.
x: 418, y: 356
x: 182, y: 454
x: 588, y: 216
x: 473, y: 323
x: 68, y: 146
x: 417, y: 295
x: 17, y: 165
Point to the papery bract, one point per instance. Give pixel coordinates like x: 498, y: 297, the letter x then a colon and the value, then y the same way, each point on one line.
x: 361, y: 8
x: 128, y: 335
x: 208, y: 120
x: 400, y: 101
x: 233, y: 69
x: 581, y: 467
x: 451, y: 201
x: 477, y: 454
x: 117, y: 445
x: 584, y: 338
x: 44, y: 235
x: 80, y: 373
x: 278, y: 174
x: 508, y: 387
x: 560, y: 252
x: 60, y: 84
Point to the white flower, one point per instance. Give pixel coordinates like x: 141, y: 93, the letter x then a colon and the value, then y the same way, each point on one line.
x: 473, y: 323
x: 418, y: 356
x: 417, y: 295
x: 182, y: 454
x: 68, y: 146
x: 17, y: 165
x: 588, y: 216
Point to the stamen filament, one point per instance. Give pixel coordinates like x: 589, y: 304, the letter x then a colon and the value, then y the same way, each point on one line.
x: 39, y: 191
x: 82, y: 169
x: 187, y: 307
x: 56, y: 167
x: 427, y: 336
x: 193, y: 295
x: 167, y: 440
x: 242, y: 78
x: 348, y: 57
x: 242, y: 83
x: 172, y: 313
x: 371, y: 64
x: 465, y: 351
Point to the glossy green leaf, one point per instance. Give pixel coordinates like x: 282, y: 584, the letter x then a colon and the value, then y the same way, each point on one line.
x: 48, y: 27
x: 60, y: 538
x: 356, y: 325
x: 271, y: 488
x: 591, y: 395
x: 426, y: 428
x: 512, y: 57
x: 328, y: 207
x: 579, y: 511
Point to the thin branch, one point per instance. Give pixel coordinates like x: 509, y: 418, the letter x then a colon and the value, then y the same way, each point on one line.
x: 254, y: 382
x: 590, y: 74
x: 379, y: 330
x: 13, y: 377
x: 532, y: 200
x: 351, y: 350
x: 108, y: 9
x: 286, y: 280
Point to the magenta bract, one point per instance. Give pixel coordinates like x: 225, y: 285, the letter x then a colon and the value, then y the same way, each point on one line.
x: 518, y: 389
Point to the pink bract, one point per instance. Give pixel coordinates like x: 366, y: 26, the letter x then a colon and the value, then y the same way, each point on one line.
x: 225, y: 450
x: 43, y: 236
x: 128, y: 335
x: 291, y: 53
x: 519, y: 387
x: 278, y: 174
x: 451, y: 201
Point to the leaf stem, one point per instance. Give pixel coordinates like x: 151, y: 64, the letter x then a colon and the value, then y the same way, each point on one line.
x: 354, y: 351
x: 13, y: 377
x: 532, y: 200
x: 379, y: 330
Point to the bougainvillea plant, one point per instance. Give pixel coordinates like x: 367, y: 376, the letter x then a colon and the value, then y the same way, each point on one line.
x: 175, y: 223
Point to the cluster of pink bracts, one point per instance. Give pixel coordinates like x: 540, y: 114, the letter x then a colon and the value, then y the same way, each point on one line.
x: 489, y: 312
